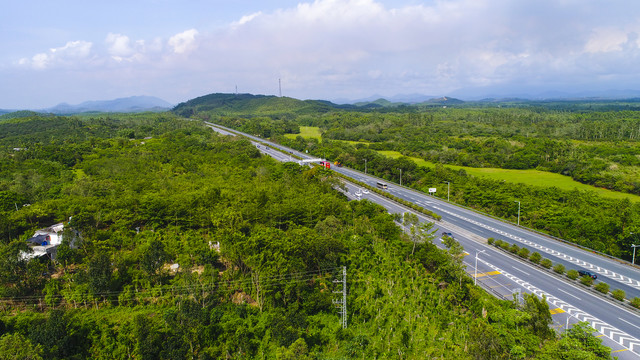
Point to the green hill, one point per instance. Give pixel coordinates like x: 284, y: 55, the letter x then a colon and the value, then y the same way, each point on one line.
x: 20, y: 114
x: 380, y: 103
x: 443, y: 101
x: 238, y: 104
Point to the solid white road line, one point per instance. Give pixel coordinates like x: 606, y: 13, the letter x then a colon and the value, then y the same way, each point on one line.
x: 569, y: 294
x: 522, y: 271
x: 634, y: 325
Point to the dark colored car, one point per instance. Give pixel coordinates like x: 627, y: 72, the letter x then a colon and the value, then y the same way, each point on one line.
x: 447, y: 234
x: 587, y: 273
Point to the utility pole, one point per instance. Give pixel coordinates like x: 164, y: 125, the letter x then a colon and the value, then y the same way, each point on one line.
x: 400, y: 177
x: 365, y: 166
x: 280, y: 87
x: 342, y: 303
x: 518, y: 212
x: 475, y: 276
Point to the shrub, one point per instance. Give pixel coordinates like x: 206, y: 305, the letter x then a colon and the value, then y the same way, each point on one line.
x: 602, y: 287
x: 514, y: 249
x: 559, y: 268
x: 586, y: 280
x: 636, y: 302
x: 618, y: 294
x: 490, y: 241
x: 535, y: 257
x: 572, y: 274
x: 547, y: 264
x: 523, y: 253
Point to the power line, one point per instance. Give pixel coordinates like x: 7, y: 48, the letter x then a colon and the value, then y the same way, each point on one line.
x: 342, y: 303
x: 150, y: 293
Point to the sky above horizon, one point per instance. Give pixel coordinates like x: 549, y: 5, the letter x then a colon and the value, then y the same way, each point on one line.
x: 73, y: 51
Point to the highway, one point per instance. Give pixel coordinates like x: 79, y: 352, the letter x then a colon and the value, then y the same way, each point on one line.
x: 503, y: 274
x: 618, y: 274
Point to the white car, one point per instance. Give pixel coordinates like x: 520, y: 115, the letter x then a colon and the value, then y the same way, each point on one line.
x: 365, y: 191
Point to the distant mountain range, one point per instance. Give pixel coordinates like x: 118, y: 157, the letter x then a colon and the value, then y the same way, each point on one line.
x: 244, y: 103
x: 496, y: 94
x: 128, y: 104
x: 397, y: 99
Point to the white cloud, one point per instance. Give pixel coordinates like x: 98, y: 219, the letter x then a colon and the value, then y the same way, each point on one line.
x: 353, y: 48
x: 72, y: 52
x: 121, y: 48
x: 184, y: 41
x: 245, y: 19
x: 119, y: 45
x: 606, y: 40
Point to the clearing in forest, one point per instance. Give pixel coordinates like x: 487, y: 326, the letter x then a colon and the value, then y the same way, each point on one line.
x: 527, y: 177
x: 307, y: 132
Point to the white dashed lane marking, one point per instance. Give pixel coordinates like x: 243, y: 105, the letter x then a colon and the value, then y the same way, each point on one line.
x: 613, y: 333
x: 597, y: 269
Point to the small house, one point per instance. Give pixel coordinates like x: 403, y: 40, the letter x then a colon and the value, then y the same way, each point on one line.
x: 45, y: 242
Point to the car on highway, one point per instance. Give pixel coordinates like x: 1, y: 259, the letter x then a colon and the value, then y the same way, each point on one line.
x: 447, y: 234
x: 587, y: 273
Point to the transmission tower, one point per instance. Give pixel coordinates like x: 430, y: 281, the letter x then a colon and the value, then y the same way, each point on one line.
x: 342, y: 303
x: 280, y: 87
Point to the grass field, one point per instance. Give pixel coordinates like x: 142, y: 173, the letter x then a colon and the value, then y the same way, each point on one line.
x: 354, y: 143
x: 312, y: 132
x: 528, y: 177
x: 307, y: 132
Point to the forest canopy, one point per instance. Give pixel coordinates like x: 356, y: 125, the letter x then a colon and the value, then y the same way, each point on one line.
x: 185, y: 244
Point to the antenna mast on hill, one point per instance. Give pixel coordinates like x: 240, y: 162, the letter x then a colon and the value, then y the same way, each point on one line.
x: 280, y: 87
x: 236, y: 89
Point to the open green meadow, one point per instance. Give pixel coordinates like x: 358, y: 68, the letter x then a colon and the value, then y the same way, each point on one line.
x: 528, y: 177
x: 307, y: 132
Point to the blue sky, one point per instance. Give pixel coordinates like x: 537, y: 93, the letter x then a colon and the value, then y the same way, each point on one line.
x: 73, y: 51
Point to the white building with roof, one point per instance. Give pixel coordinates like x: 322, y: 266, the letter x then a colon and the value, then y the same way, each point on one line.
x: 45, y: 241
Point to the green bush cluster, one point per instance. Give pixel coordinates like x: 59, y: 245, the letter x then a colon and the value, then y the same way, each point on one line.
x: 535, y: 257
x: 586, y: 280
x: 618, y: 294
x: 559, y: 269
x: 573, y: 274
x: 514, y: 249
x: 602, y: 287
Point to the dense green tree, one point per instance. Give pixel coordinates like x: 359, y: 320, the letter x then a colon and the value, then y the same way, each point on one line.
x: 17, y: 347
x: 99, y: 273
x: 576, y: 343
